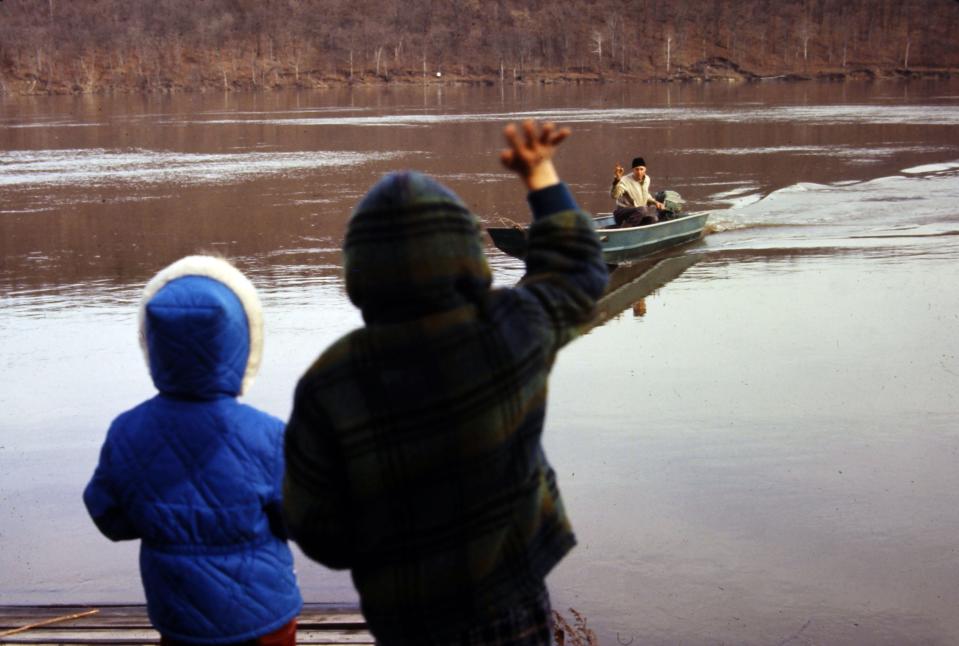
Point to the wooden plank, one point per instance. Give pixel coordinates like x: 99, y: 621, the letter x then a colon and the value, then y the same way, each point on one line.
x: 140, y: 636
x: 116, y: 641
x: 334, y: 637
x: 346, y: 621
x: 93, y: 636
x: 19, y: 615
x: 50, y: 620
x: 9, y: 622
x: 136, y: 615
x: 121, y: 625
x: 123, y: 640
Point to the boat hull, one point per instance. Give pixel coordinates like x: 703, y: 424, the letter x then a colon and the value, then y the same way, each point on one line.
x: 619, y: 245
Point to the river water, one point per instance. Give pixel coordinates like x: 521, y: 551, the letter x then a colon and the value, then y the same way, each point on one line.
x: 757, y: 445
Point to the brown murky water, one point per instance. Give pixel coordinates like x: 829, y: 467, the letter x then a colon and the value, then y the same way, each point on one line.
x: 758, y: 444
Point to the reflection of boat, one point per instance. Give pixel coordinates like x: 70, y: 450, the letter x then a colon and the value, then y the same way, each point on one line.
x: 619, y: 245
x: 629, y: 284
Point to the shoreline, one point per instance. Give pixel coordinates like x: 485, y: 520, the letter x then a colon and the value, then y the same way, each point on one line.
x: 713, y: 70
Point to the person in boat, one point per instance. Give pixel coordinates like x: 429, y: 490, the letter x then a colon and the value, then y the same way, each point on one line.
x: 196, y: 475
x: 414, y: 454
x: 635, y: 205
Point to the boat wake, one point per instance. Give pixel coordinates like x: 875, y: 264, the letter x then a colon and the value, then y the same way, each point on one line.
x: 920, y: 201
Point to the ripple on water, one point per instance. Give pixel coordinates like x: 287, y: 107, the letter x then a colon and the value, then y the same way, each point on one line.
x: 103, y: 167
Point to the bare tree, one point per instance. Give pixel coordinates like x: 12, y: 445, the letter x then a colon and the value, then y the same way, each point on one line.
x: 669, y: 43
x: 611, y: 21
x: 597, y: 41
x: 156, y: 45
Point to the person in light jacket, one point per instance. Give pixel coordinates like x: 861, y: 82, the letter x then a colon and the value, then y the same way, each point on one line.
x: 634, y: 203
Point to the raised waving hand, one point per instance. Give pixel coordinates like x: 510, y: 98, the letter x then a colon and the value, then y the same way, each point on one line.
x: 530, y: 154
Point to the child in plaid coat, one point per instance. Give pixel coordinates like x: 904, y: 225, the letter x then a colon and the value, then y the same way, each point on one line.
x: 413, y: 451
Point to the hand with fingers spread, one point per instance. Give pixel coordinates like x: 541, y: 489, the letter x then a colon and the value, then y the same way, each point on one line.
x: 530, y: 155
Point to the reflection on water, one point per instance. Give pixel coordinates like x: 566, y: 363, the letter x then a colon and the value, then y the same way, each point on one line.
x: 630, y: 284
x: 756, y: 439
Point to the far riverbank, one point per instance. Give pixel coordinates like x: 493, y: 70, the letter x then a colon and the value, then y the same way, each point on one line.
x: 267, y: 77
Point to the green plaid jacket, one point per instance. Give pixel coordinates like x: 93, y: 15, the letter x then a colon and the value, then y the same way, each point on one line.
x: 413, y: 452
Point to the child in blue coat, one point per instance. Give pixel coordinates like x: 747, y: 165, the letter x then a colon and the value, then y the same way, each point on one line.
x: 196, y: 475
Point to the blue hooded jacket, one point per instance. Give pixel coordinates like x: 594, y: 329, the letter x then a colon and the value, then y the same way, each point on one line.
x: 193, y: 473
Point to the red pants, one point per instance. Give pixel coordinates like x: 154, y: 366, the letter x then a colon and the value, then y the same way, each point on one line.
x: 285, y: 636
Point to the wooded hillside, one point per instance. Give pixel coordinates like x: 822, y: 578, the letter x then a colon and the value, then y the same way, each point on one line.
x: 62, y: 46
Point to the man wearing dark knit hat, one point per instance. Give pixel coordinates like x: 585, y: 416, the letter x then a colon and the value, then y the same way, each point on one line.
x: 634, y: 204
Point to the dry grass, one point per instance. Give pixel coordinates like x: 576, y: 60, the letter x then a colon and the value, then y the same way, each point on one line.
x: 575, y: 634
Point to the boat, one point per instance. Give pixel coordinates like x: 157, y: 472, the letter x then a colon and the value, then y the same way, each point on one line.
x: 619, y: 245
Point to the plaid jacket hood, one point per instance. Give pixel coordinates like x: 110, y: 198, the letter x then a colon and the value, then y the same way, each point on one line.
x: 412, y: 248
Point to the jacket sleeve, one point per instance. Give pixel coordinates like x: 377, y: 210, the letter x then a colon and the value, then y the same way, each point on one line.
x: 274, y: 506
x: 103, y: 500
x: 315, y: 492
x: 617, y: 189
x: 564, y: 262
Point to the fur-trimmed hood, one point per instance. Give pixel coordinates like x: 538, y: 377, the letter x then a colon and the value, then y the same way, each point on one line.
x: 201, y: 329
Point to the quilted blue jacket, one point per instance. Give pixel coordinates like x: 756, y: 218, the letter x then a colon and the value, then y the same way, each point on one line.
x: 194, y: 474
